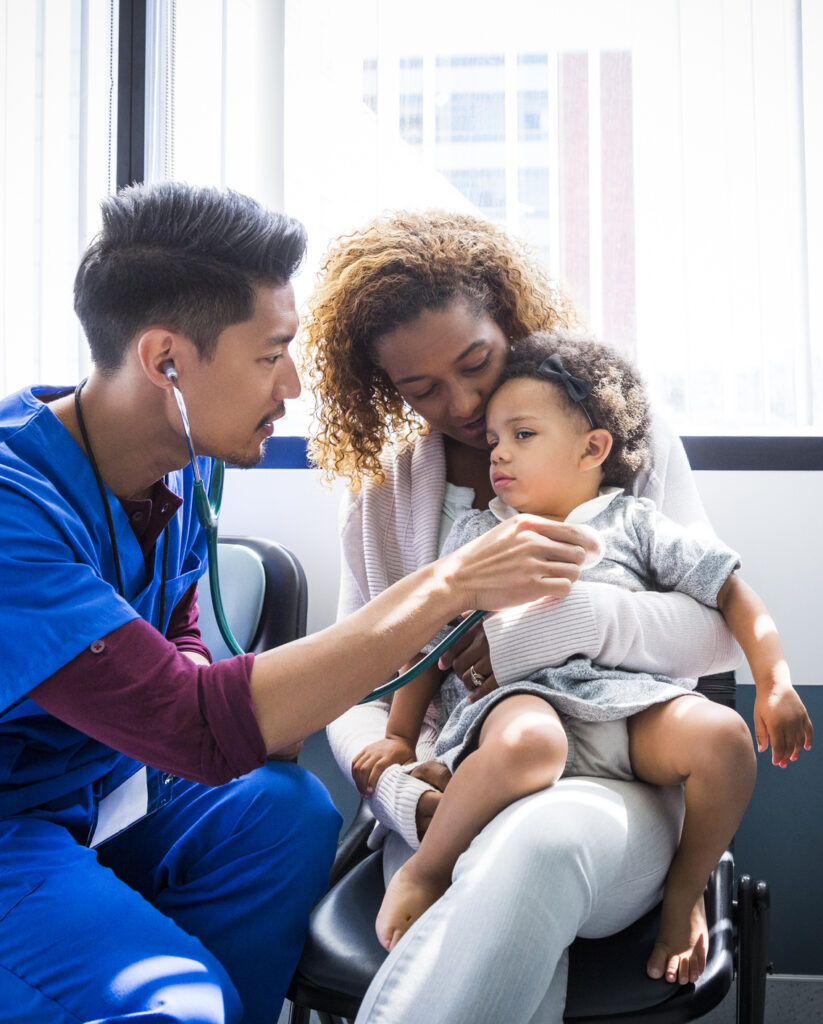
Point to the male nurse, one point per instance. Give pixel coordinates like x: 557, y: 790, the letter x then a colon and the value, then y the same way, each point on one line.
x: 155, y: 863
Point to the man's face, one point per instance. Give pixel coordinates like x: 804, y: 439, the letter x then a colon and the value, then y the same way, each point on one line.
x: 234, y: 398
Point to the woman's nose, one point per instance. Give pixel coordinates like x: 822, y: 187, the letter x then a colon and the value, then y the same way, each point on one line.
x: 465, y: 403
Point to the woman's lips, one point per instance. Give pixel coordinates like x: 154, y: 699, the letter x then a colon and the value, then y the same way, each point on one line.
x: 477, y: 428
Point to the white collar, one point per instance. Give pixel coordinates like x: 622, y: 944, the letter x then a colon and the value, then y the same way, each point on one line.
x: 582, y: 514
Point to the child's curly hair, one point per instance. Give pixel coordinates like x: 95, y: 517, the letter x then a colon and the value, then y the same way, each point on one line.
x: 617, y: 401
x: 385, y: 276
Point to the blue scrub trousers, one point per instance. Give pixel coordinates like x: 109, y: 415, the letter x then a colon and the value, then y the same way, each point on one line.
x: 196, y: 914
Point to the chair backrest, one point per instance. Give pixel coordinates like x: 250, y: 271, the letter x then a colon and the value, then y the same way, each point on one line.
x: 264, y: 595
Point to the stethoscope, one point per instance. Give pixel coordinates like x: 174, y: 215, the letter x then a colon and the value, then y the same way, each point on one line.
x: 207, y: 507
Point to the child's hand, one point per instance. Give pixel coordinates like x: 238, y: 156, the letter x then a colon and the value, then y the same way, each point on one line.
x: 780, y: 716
x: 374, y: 759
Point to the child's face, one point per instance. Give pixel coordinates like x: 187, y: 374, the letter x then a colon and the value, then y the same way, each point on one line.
x: 538, y: 449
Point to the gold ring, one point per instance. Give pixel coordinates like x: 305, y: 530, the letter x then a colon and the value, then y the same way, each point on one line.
x: 477, y: 679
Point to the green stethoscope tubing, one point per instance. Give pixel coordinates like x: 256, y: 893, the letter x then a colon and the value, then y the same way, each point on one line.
x: 207, y: 507
x: 208, y: 510
x: 426, y: 661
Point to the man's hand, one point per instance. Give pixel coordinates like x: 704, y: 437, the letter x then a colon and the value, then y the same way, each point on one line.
x: 437, y: 775
x: 521, y: 560
x: 374, y: 759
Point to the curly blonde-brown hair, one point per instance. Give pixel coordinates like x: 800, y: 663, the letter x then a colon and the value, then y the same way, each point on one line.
x: 383, y: 277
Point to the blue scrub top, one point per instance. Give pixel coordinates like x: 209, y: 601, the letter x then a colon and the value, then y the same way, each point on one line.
x: 58, y: 594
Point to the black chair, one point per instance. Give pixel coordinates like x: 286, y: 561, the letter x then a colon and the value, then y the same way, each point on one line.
x: 342, y: 953
x: 264, y: 595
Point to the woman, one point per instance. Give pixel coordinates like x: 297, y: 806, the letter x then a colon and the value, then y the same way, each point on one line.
x: 407, y: 332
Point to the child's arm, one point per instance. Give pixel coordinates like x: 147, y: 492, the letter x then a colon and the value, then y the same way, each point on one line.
x: 779, y: 713
x: 406, y: 715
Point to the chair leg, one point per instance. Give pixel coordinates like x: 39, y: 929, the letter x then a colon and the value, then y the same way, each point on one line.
x: 299, y: 1014
x: 752, y: 950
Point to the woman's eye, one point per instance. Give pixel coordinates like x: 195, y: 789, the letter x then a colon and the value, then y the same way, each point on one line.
x: 479, y: 367
x: 426, y: 394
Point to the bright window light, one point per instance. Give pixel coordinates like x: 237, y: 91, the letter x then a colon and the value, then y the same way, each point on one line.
x: 664, y: 157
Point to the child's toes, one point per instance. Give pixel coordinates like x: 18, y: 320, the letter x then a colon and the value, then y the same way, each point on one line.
x: 677, y: 969
x: 658, y: 962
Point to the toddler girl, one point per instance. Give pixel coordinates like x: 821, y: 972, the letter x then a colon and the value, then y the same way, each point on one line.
x: 568, y: 429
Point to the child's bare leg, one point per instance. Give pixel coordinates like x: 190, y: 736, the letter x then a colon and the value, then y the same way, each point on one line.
x: 708, y: 747
x: 522, y: 748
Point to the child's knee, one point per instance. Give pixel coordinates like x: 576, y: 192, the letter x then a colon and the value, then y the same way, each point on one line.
x: 533, y: 743
x: 727, y: 743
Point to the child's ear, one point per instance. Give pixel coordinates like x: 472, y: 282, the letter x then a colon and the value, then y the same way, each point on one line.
x: 598, y: 445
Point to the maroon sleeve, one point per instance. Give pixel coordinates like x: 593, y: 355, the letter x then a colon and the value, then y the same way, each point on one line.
x: 183, y: 629
x: 134, y: 691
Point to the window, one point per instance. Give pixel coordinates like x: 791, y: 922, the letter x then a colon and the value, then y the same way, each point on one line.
x: 57, y: 109
x: 664, y: 157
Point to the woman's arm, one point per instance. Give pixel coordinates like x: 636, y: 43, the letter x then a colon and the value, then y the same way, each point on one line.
x: 779, y: 713
x: 643, y: 632
x: 396, y: 795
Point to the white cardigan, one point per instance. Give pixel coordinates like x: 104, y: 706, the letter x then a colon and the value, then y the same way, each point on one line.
x: 391, y: 529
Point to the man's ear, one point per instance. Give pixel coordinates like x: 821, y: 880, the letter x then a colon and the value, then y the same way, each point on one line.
x: 597, y: 447
x: 156, y: 351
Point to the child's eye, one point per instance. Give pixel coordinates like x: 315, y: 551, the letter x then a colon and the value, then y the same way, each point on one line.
x: 522, y: 435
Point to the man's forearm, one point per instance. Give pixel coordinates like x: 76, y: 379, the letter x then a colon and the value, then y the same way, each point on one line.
x: 302, y: 686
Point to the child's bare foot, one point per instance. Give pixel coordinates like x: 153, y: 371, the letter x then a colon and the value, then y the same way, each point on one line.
x: 408, y: 897
x: 679, y: 952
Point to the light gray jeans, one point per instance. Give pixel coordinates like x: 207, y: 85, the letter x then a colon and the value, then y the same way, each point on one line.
x: 585, y: 857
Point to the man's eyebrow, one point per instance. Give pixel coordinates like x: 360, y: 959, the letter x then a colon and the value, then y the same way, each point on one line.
x: 282, y: 339
x: 467, y: 351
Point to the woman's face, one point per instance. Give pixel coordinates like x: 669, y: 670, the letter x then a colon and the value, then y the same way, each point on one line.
x: 446, y: 364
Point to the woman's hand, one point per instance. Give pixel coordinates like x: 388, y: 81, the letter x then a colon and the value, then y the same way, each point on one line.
x: 374, y: 759
x: 471, y: 651
x: 437, y: 775
x: 520, y: 561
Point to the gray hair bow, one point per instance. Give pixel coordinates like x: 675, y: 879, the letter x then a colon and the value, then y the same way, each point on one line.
x: 577, y: 388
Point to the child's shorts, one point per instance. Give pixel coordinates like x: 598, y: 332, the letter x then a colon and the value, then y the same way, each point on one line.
x: 598, y: 748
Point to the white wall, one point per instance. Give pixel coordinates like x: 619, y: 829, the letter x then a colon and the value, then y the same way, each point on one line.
x: 771, y: 518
